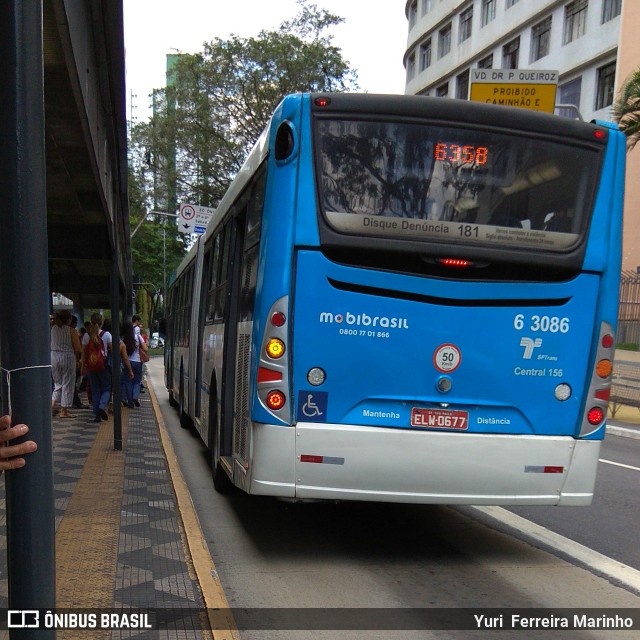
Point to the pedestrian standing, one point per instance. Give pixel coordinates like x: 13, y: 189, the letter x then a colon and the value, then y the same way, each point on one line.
x: 65, y: 352
x: 133, y: 343
x: 99, y: 381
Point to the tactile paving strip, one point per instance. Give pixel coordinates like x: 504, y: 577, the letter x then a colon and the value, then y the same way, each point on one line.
x: 118, y: 530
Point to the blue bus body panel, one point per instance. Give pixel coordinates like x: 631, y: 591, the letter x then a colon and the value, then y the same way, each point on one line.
x: 384, y: 341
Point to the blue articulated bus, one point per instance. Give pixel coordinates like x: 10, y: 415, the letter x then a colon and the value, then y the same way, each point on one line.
x: 408, y: 299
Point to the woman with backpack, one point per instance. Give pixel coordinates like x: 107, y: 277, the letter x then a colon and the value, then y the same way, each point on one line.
x: 96, y: 362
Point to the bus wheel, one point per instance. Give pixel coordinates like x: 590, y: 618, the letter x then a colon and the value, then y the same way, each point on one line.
x: 172, y: 401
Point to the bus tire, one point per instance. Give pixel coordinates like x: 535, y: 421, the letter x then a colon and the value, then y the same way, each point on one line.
x: 172, y: 401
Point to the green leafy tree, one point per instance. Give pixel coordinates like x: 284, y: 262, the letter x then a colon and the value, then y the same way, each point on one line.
x: 219, y: 100
x: 155, y: 255
x: 626, y: 109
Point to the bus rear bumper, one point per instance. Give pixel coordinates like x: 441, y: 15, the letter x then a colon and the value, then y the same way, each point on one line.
x: 351, y: 462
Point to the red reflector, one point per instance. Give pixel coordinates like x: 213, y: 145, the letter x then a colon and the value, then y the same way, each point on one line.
x: 600, y: 134
x: 268, y: 375
x: 275, y: 400
x: 607, y: 341
x: 595, y: 415
x: 322, y: 102
x: 307, y: 458
x: 455, y: 262
x: 603, y: 394
x: 554, y: 470
x: 278, y: 319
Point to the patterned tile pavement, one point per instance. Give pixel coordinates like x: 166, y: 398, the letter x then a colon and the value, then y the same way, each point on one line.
x: 152, y: 568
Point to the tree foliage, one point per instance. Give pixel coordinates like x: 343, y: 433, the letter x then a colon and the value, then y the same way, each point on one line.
x: 218, y: 101
x: 204, y: 123
x: 155, y: 257
x: 626, y: 109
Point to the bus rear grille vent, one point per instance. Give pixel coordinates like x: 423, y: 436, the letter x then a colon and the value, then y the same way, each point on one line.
x: 241, y: 409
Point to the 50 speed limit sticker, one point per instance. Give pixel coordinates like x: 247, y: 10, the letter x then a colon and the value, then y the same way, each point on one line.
x: 447, y: 358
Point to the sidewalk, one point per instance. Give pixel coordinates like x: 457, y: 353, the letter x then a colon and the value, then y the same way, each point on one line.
x: 626, y: 422
x: 120, y: 542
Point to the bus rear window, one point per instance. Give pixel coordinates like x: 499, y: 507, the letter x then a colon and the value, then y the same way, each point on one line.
x: 447, y: 184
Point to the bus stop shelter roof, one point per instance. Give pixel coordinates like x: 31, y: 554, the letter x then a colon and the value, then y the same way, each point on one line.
x: 86, y: 150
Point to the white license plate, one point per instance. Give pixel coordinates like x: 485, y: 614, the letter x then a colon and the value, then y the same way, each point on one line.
x: 439, y: 418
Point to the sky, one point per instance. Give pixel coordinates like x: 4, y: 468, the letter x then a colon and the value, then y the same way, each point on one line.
x: 372, y: 38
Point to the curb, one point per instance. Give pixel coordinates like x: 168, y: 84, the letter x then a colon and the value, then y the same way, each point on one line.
x: 207, y: 575
x: 618, y: 430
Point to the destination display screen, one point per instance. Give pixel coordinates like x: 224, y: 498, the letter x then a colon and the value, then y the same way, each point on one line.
x: 430, y: 182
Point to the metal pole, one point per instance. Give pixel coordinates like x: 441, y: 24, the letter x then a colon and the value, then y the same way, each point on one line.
x: 115, y: 345
x: 24, y: 308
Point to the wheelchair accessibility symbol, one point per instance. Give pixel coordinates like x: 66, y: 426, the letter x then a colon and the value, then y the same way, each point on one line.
x: 312, y: 406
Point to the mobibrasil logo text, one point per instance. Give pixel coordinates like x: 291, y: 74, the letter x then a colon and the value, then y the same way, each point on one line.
x: 364, y: 320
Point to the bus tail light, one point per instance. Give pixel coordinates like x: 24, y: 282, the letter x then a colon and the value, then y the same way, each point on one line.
x: 275, y: 348
x: 278, y: 319
x: 597, y: 400
x: 595, y: 415
x: 604, y: 368
x: 276, y: 400
x: 273, y: 369
x: 457, y: 263
x: 563, y: 392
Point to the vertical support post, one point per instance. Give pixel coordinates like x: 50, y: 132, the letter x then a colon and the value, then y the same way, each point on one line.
x: 115, y: 345
x: 24, y: 307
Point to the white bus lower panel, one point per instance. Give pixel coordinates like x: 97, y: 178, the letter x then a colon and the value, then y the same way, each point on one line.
x: 351, y: 462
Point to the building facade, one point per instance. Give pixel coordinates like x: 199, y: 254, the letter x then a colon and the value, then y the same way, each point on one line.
x: 628, y: 62
x: 579, y: 39
x: 593, y: 44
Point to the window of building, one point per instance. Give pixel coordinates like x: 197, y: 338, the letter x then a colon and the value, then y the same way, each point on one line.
x: 569, y: 93
x: 510, y: 3
x: 510, y: 54
x: 411, y: 66
x: 425, y: 55
x: 605, y: 87
x: 444, y: 41
x: 443, y: 90
x: 575, y: 20
x: 540, y: 38
x: 427, y: 5
x: 487, y: 12
x: 466, y: 20
x: 611, y: 9
x: 413, y: 13
x: 462, y: 85
x: 486, y: 62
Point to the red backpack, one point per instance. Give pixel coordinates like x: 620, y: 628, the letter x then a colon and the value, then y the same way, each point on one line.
x: 95, y: 358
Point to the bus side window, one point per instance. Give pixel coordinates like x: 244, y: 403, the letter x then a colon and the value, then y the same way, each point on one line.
x: 186, y: 311
x: 177, y: 303
x: 221, y: 293
x: 249, y: 280
x: 213, y: 280
x: 254, y: 211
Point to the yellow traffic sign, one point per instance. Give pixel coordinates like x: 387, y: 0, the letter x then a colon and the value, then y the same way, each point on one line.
x: 524, y: 88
